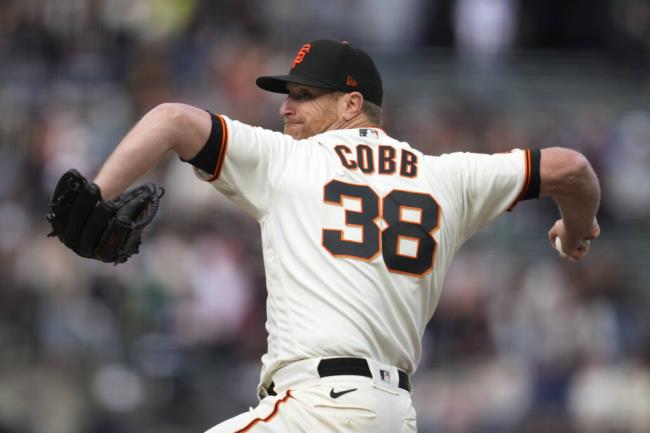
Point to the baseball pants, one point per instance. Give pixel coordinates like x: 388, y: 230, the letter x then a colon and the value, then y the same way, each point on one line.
x: 305, y: 401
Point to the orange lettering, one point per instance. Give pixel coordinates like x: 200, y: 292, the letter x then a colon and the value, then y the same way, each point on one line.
x: 301, y: 55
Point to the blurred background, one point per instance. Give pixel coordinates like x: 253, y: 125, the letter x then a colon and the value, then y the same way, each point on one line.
x: 170, y: 342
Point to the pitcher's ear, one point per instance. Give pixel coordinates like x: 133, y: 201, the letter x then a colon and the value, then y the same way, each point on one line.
x: 352, y: 105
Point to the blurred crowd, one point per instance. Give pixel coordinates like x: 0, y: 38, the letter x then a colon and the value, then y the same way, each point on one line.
x: 171, y: 341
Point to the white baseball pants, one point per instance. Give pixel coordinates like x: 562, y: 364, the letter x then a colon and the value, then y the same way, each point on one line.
x: 306, y: 402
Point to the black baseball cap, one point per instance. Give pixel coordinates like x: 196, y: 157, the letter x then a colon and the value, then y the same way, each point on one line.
x: 330, y: 65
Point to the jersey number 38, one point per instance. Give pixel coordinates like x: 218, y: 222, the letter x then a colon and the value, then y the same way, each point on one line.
x: 410, y: 217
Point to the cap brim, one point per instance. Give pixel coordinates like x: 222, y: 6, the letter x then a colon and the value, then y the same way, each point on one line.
x: 278, y: 83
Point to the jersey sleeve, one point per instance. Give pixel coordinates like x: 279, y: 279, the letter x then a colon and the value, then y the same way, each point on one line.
x: 250, y: 163
x: 479, y: 187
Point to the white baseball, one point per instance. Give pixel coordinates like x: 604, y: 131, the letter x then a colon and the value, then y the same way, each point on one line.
x: 558, y: 247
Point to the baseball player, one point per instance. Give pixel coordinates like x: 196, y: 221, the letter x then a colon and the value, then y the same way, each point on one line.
x: 358, y: 230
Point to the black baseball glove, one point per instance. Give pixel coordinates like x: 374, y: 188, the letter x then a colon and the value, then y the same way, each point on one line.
x: 106, y: 230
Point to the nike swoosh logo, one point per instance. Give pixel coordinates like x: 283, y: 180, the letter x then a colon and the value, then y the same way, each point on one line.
x: 335, y: 394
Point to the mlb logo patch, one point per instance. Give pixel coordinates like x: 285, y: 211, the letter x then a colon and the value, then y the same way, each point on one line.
x: 384, y: 375
x: 367, y: 132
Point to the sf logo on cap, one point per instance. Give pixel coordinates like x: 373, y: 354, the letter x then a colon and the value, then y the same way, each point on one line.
x: 301, y: 55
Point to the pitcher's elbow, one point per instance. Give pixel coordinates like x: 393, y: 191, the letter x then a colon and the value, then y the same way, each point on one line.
x: 563, y: 171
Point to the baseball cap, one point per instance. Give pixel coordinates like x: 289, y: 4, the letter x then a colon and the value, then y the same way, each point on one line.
x: 330, y: 65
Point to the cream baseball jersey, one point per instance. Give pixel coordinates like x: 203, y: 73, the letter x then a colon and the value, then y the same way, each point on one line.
x: 358, y: 230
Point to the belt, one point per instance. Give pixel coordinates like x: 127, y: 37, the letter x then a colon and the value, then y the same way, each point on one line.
x: 349, y: 367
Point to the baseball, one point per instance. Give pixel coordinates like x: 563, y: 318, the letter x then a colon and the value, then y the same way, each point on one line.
x: 558, y: 247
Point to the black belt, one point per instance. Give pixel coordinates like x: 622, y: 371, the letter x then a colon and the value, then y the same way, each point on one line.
x: 350, y: 367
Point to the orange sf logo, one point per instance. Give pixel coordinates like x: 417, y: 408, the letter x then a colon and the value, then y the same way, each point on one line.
x: 301, y: 55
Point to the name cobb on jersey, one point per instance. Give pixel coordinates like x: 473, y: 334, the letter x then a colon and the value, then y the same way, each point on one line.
x: 382, y: 159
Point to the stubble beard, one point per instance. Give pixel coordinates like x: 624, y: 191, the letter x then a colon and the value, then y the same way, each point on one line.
x: 313, y: 126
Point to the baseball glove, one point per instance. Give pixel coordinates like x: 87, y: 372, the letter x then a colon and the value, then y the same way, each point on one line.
x: 105, y: 230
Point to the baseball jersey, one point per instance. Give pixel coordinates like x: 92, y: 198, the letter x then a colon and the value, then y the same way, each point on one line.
x: 358, y: 230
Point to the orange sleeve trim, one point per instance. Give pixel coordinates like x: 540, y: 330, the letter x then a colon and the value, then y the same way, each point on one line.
x: 224, y: 147
x: 272, y: 415
x: 527, y: 179
x: 222, y: 151
x: 208, y: 161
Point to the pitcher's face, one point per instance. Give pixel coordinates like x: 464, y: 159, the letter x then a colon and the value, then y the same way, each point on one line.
x: 308, y: 110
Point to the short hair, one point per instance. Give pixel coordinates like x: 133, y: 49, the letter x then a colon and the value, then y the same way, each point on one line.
x: 372, y: 111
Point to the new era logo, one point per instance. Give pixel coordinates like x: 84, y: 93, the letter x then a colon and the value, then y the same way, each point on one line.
x: 351, y: 81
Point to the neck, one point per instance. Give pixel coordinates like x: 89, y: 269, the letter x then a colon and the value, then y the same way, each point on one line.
x: 359, y: 121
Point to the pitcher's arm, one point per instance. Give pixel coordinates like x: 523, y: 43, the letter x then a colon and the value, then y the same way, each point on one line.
x: 567, y: 177
x: 171, y: 126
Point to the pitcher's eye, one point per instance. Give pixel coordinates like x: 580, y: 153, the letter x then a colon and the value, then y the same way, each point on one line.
x: 301, y: 95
